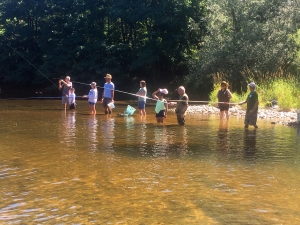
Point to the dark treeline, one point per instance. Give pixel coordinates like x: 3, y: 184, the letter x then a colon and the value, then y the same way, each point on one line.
x: 167, y: 43
x: 130, y: 39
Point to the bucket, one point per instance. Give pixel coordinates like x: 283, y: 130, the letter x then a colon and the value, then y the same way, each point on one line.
x: 111, y: 105
x: 298, y: 115
x: 129, y: 110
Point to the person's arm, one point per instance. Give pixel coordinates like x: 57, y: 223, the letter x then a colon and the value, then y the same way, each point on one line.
x: 67, y: 84
x: 166, y: 106
x: 141, y: 93
x: 184, y: 102
x: 59, y: 84
x: 242, y: 102
x: 112, y: 95
x: 229, y: 94
x: 254, y: 107
x: 154, y: 93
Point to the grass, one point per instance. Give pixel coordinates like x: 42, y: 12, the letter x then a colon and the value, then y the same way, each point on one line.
x: 285, y: 90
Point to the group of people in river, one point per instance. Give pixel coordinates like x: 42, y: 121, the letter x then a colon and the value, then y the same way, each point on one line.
x: 161, y: 109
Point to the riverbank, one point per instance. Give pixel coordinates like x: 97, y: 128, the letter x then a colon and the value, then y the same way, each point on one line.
x: 274, y: 115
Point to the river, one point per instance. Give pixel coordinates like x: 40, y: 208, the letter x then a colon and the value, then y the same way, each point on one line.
x: 60, y: 167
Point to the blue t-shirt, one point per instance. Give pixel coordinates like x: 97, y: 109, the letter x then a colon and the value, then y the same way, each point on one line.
x: 108, y: 87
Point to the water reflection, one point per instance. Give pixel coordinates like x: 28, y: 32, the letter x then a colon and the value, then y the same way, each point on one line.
x: 69, y: 128
x: 92, y: 132
x: 250, y: 143
x: 108, y: 133
x: 223, y: 141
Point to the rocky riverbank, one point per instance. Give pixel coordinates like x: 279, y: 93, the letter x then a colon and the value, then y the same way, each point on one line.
x: 274, y: 115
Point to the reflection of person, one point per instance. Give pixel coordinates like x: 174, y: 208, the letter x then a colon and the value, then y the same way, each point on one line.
x: 108, y: 93
x: 161, y: 107
x: 250, y: 143
x: 72, y: 96
x: 65, y: 87
x: 142, y: 93
x: 92, y: 98
x: 224, y: 95
x: 252, y: 107
x: 182, y: 105
x: 223, y: 136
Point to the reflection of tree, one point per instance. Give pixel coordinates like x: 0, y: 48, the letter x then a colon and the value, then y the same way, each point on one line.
x: 69, y: 131
x: 223, y: 136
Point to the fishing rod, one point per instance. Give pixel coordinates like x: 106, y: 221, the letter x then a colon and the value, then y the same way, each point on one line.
x: 229, y: 103
x: 32, y: 65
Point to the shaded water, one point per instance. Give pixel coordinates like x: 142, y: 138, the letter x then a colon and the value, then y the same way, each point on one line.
x: 73, y: 168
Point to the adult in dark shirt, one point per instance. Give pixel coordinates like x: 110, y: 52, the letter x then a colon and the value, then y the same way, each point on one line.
x: 182, y: 105
x: 224, y: 95
x: 252, y: 107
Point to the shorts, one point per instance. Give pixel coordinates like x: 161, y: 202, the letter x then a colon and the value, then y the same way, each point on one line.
x: 141, y: 104
x: 250, y: 118
x: 92, y: 103
x: 72, y: 106
x: 161, y: 114
x: 64, y: 99
x: 224, y: 107
x: 105, y: 102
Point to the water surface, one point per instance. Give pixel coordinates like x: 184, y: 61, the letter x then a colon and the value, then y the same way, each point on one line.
x: 60, y: 167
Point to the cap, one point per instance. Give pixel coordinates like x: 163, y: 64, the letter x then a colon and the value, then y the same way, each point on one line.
x: 108, y: 76
x: 164, y: 91
x: 93, y: 83
x: 252, y: 84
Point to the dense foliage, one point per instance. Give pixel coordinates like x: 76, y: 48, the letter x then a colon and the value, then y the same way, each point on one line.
x: 248, y: 40
x: 131, y: 39
x: 167, y: 43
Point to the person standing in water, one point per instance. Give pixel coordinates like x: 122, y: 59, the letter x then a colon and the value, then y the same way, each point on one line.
x: 65, y: 87
x: 181, y: 106
x: 92, y: 98
x: 252, y: 107
x: 224, y: 95
x: 161, y: 108
x: 72, y: 96
x: 142, y: 93
x: 108, y: 93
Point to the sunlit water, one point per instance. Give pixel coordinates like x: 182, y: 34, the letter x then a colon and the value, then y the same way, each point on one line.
x: 73, y: 168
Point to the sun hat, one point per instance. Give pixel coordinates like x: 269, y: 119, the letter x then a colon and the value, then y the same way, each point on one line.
x: 93, y: 83
x: 108, y: 76
x: 252, y: 84
x: 164, y: 91
x: 224, y: 83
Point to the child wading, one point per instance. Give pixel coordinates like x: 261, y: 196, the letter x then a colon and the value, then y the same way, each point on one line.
x: 224, y: 95
x: 161, y: 107
x: 92, y: 98
x: 142, y: 93
x: 72, y: 96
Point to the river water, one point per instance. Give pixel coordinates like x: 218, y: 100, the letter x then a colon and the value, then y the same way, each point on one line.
x: 61, y: 167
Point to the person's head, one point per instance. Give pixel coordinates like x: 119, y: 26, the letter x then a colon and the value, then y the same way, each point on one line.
x: 181, y: 90
x: 142, y: 83
x: 67, y: 79
x: 252, y: 86
x: 93, y: 85
x: 108, y: 78
x: 224, y: 84
x: 72, y: 90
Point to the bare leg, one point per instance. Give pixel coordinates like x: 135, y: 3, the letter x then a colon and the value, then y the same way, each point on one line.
x: 221, y: 115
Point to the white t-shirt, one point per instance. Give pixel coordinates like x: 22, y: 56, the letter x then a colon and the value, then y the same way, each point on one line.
x: 72, y: 97
x: 93, y: 95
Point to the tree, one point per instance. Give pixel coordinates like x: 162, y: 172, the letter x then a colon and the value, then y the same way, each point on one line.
x: 247, y: 36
